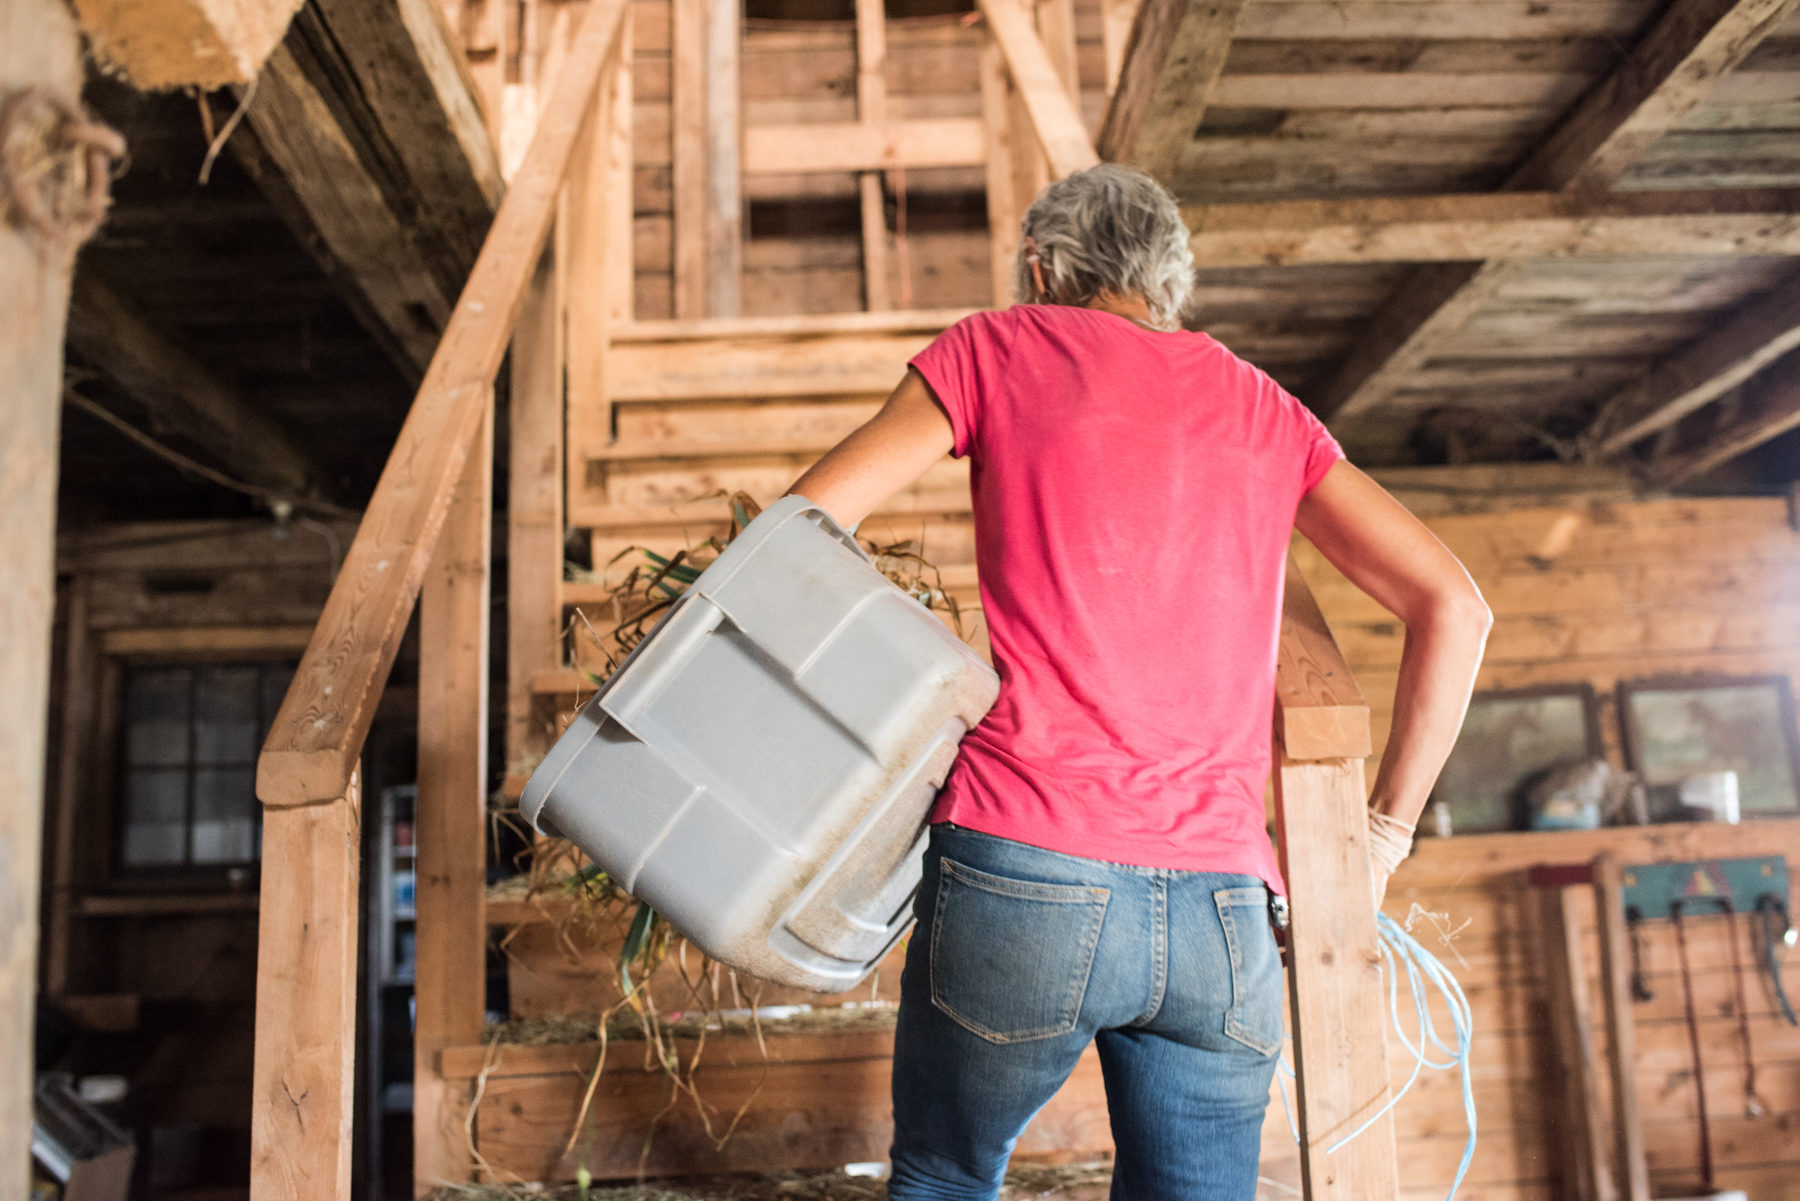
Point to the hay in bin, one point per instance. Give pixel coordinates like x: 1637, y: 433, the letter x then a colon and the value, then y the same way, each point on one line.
x: 1024, y: 1182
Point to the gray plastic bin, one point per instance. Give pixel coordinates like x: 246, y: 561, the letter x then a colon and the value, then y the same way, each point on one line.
x: 760, y: 768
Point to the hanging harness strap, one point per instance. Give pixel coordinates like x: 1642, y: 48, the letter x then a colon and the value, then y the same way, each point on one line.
x: 1777, y: 931
x: 1693, y: 1028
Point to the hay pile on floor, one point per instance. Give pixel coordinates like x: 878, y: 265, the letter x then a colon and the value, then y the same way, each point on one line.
x: 1024, y: 1182
x: 561, y: 1028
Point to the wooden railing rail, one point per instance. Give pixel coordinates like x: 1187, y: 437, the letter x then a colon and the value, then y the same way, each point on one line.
x: 307, y: 776
x: 1334, y: 982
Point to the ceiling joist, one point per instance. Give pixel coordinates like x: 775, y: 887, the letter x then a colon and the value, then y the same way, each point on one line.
x: 181, y: 395
x: 1458, y: 231
x: 1702, y: 371
x: 1763, y: 408
x: 1670, y: 70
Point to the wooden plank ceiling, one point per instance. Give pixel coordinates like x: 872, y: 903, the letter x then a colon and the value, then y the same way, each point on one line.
x: 1677, y: 360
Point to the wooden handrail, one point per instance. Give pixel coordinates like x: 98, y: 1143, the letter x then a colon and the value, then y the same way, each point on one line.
x: 1321, y: 736
x: 317, y: 736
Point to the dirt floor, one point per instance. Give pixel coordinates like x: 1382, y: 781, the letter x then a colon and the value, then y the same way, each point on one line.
x: 1065, y: 1182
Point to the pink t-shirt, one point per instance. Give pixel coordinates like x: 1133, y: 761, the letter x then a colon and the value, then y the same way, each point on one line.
x: 1134, y: 492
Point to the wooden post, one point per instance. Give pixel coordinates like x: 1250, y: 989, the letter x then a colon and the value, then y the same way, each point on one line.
x: 687, y: 86
x: 1334, y: 978
x: 1002, y: 188
x: 71, y: 782
x: 1621, y: 1029
x: 725, y: 215
x: 587, y: 316
x: 534, y: 543
x: 1588, y: 1177
x: 38, y: 46
x: 449, y: 988
x: 871, y: 109
x: 304, y: 1087
x: 621, y: 273
x: 1116, y: 20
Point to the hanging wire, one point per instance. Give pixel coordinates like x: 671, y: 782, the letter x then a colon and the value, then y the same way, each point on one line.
x: 1400, y: 949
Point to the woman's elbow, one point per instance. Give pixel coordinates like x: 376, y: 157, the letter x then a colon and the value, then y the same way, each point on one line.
x: 1464, y: 611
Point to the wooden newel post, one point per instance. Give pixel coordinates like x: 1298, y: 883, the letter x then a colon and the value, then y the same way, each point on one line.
x: 1338, y: 1004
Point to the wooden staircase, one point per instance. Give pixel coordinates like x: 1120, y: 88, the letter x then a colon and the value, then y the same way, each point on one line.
x: 630, y: 433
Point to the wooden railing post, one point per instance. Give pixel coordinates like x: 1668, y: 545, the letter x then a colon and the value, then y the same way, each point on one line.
x: 304, y: 1084
x: 450, y: 894
x: 307, y: 776
x: 1335, y: 991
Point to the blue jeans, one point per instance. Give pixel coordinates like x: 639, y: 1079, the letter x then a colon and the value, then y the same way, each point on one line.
x: 1022, y: 956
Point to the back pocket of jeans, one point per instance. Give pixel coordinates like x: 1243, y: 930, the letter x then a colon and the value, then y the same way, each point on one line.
x: 1254, y: 1017
x: 1010, y: 958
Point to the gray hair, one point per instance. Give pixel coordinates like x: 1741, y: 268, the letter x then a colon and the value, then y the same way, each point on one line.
x: 1108, y: 228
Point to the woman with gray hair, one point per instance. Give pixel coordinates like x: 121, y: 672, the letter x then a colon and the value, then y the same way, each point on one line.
x: 1099, y: 869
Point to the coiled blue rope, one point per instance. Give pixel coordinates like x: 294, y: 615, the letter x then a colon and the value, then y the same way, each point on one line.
x: 1401, y: 950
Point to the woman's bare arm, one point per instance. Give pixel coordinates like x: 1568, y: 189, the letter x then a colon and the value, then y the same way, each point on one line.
x: 888, y: 452
x: 1388, y: 553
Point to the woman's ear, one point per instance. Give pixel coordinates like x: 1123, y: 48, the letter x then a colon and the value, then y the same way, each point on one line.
x: 1037, y: 270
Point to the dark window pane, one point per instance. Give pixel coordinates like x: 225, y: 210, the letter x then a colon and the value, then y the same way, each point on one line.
x: 225, y: 718
x: 155, y: 817
x: 224, y: 815
x: 156, y: 718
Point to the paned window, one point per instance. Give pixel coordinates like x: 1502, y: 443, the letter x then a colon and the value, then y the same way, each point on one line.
x: 191, y: 737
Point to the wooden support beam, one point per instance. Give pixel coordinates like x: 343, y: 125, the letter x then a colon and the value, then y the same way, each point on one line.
x: 183, y: 43
x: 304, y: 1087
x: 534, y: 541
x: 39, y: 47
x: 1054, y: 115
x: 1587, y: 1175
x: 1765, y: 407
x: 1004, y: 209
x: 863, y: 146
x: 725, y: 210
x: 1705, y: 369
x: 1633, y: 1172
x: 1464, y: 229
x: 688, y: 182
x: 365, y: 135
x: 871, y: 110
x: 181, y: 395
x: 1671, y: 69
x: 451, y: 820
x: 1334, y: 979
x: 1176, y: 55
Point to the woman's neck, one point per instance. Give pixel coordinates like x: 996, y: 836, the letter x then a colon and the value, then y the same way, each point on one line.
x: 1132, y: 308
